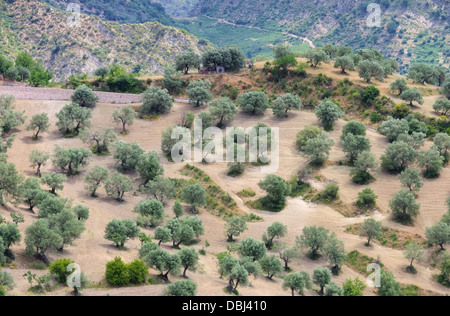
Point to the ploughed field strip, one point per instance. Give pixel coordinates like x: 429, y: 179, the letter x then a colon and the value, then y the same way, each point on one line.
x: 31, y: 93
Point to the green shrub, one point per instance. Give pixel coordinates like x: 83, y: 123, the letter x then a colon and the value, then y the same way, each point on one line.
x: 366, y: 199
x: 59, y: 269
x: 137, y: 271
x: 330, y: 193
x: 117, y: 272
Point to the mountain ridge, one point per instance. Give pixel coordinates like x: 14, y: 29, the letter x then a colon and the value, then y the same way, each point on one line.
x: 42, y: 31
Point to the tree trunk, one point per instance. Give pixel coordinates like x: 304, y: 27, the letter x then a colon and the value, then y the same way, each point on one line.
x: 124, y: 127
x: 230, y: 238
x: 184, y: 272
x: 37, y: 133
x: 38, y: 173
x: 99, y: 148
x: 237, y: 283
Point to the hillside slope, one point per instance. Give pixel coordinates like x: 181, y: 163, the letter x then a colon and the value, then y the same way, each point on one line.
x: 132, y: 11
x: 413, y: 29
x: 43, y: 32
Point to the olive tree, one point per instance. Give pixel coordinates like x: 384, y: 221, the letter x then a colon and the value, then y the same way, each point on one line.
x: 315, y: 238
x: 254, y: 102
x: 277, y: 190
x: 412, y: 95
x: 365, y: 164
x: 195, y: 195
x: 389, y: 287
x: 81, y: 212
x: 399, y: 155
x: 400, y: 85
x: 72, y: 118
x: 438, y: 234
x: 442, y: 143
x: 404, y: 206
x: 125, y: 116
x: 162, y: 234
x: 119, y: 231
x: 185, y: 61
x: 335, y: 253
x: 252, y: 248
x: 117, y: 185
x: 234, y: 227
x: 446, y: 88
x: 416, y: 140
x: 54, y: 181
x: 149, y: 166
x: 94, y: 178
x: 101, y: 139
x: 271, y: 265
x: 38, y: 159
x: 413, y: 251
x: 309, y: 132
x: 72, y: 158
x: 10, y: 180
x: 353, y: 145
x: 318, y: 149
x: 66, y: 225
x: 223, y: 110
x: 345, y: 63
x: 431, y: 161
x: 164, y: 262
x: 156, y: 101
x: 333, y: 289
x: 282, y: 105
x: 370, y: 69
x: 321, y: 277
x: 40, y: 238
x: 442, y: 106
x: 189, y: 259
x: 39, y: 123
x: 84, y: 97
x: 297, y: 282
x: 160, y: 189
x: 182, y: 288
x: 355, y: 128
x: 328, y: 113
x: 151, y: 213
x: 199, y: 92
x: 31, y: 192
x: 127, y: 155
x: 276, y: 230
x: 392, y: 128
x: 371, y: 229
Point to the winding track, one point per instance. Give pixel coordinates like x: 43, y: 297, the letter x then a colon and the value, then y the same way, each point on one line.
x: 31, y: 93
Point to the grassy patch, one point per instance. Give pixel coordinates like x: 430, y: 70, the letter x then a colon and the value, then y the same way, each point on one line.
x: 359, y: 262
x: 219, y: 202
x: 246, y: 193
x: 390, y: 238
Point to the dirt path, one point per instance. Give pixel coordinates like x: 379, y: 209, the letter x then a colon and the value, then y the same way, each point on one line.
x: 305, y: 39
x: 31, y: 93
